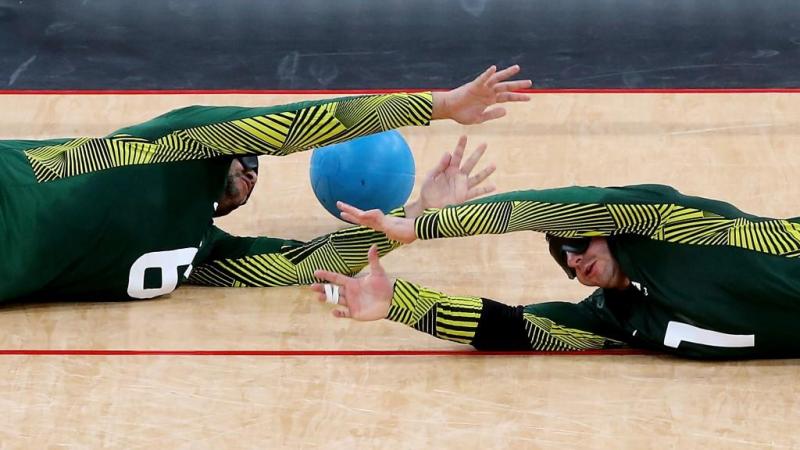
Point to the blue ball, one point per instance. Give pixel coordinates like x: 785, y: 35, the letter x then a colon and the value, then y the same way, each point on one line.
x: 370, y: 172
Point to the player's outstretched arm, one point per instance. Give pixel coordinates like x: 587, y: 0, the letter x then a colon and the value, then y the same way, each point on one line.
x: 262, y: 262
x: 286, y: 129
x: 654, y: 211
x: 485, y: 324
x: 240, y: 261
x: 574, y: 210
x: 201, y: 132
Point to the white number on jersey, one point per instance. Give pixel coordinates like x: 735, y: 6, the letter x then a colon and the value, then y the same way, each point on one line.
x: 678, y: 332
x: 168, y: 262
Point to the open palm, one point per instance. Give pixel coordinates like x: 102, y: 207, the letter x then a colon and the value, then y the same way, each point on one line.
x: 451, y: 182
x: 400, y: 229
x: 469, y: 104
x: 362, y: 298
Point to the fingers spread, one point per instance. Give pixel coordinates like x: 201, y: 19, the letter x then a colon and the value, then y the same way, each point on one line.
x: 375, y: 267
x: 486, y: 75
x: 473, y: 159
x: 441, y: 166
x: 480, y: 176
x: 504, y: 74
x: 458, y: 152
x: 492, y: 114
x: 515, y: 85
x: 480, y: 190
x: 504, y: 97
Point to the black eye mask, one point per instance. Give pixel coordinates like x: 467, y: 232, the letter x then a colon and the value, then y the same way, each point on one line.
x: 249, y: 163
x: 560, y: 246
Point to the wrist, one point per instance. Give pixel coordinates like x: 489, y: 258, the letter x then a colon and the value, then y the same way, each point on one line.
x: 414, y: 209
x: 440, y: 106
x: 390, y: 300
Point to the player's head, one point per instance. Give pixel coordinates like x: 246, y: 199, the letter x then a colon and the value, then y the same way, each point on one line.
x: 589, y: 260
x: 242, y: 178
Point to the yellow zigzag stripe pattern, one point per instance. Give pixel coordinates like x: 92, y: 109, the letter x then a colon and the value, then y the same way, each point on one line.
x: 273, y: 134
x: 352, y: 244
x: 344, y: 251
x: 272, y: 269
x: 546, y: 335
x: 456, y: 319
x: 446, y: 317
x: 664, y: 222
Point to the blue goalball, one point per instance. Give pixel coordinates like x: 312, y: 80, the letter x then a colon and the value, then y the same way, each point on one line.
x: 370, y: 172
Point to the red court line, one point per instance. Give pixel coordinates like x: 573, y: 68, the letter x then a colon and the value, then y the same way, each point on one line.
x: 382, y: 91
x: 291, y: 353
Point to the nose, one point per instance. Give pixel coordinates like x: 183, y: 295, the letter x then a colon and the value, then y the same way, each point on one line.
x: 573, y: 259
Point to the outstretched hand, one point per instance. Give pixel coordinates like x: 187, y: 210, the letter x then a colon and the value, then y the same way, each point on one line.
x: 364, y: 298
x: 399, y: 229
x: 469, y: 104
x: 451, y: 182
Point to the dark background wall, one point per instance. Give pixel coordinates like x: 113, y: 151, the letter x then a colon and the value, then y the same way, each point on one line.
x: 352, y: 44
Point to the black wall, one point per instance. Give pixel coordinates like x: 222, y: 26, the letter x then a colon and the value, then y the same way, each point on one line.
x: 341, y: 44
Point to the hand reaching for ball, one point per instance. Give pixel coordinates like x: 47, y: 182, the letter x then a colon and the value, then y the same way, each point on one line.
x: 451, y: 182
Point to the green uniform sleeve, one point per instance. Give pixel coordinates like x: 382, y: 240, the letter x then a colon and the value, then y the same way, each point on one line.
x: 654, y: 211
x: 490, y: 325
x: 258, y: 262
x: 201, y: 132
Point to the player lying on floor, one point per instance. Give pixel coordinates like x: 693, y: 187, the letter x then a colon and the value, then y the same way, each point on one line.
x: 680, y: 274
x: 130, y: 215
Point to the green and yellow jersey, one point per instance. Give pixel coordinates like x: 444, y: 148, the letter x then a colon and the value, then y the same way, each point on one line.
x: 129, y: 216
x: 707, y: 280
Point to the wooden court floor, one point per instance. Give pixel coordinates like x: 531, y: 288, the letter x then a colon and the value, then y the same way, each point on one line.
x: 742, y: 148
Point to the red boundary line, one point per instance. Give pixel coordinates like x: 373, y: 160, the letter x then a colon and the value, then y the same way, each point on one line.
x: 78, y: 352
x: 381, y: 91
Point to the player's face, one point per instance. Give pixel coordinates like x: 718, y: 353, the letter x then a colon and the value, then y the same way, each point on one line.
x: 597, y: 266
x: 238, y: 188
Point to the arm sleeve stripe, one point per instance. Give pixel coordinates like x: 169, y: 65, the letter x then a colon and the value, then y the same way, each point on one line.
x: 344, y: 251
x: 278, y: 133
x: 666, y: 222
